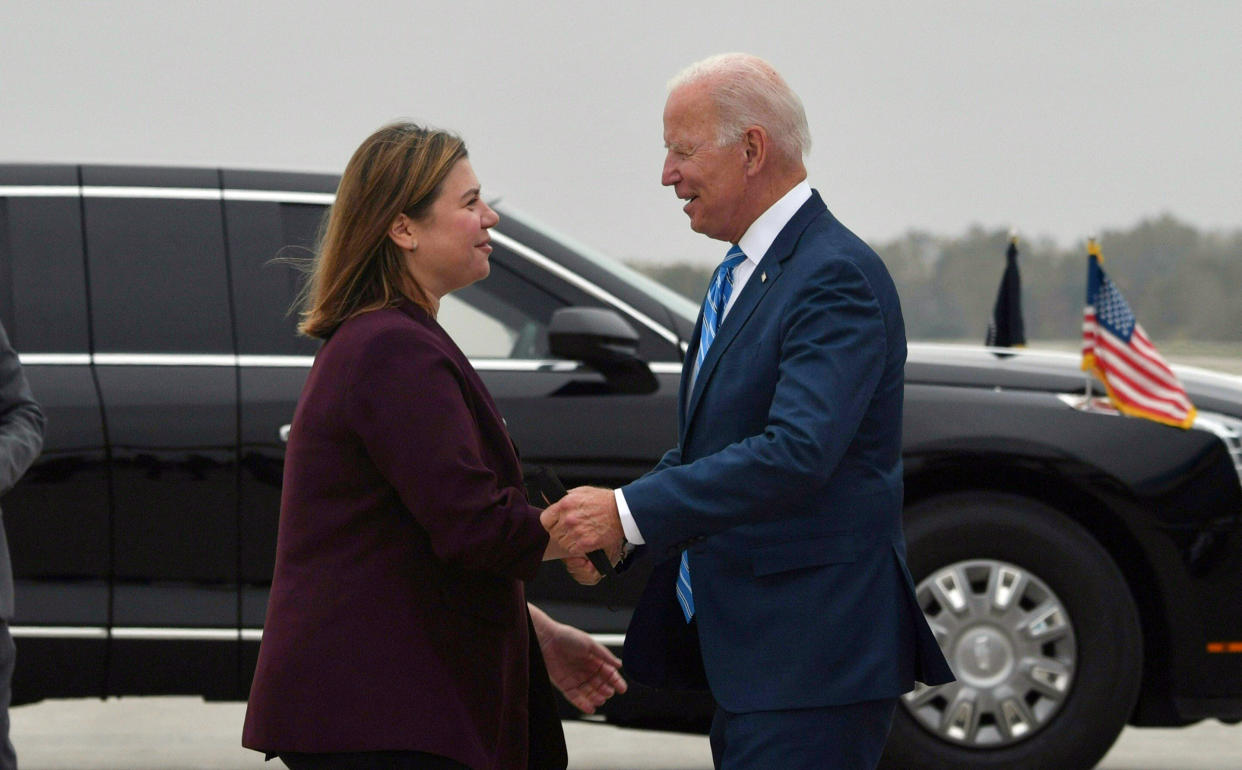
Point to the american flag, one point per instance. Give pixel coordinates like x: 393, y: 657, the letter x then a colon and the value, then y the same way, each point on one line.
x: 1118, y: 351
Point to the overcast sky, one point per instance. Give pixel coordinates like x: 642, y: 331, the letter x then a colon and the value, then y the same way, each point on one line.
x: 1056, y: 118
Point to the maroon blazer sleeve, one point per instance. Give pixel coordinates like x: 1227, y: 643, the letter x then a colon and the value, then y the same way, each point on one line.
x: 420, y: 422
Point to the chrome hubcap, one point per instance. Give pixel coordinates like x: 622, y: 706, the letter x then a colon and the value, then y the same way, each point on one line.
x: 1011, y: 644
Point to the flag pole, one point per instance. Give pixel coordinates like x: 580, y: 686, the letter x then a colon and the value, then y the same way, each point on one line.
x: 1093, y: 250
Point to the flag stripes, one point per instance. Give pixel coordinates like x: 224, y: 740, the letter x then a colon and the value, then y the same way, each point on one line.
x: 1119, y: 352
x: 1151, y: 380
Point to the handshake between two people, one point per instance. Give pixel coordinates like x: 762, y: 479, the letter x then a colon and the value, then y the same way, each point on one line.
x: 585, y: 520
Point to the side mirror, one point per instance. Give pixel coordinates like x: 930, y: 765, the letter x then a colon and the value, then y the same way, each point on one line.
x: 604, y: 341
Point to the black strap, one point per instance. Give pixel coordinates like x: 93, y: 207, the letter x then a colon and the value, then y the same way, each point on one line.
x: 543, y: 487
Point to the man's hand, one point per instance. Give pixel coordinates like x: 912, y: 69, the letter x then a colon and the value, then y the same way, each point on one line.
x: 583, y: 670
x: 586, y: 520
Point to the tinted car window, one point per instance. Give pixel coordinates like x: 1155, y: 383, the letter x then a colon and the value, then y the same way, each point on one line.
x: 42, y: 286
x: 504, y: 316
x: 269, y: 246
x: 157, y: 268
x: 541, y: 247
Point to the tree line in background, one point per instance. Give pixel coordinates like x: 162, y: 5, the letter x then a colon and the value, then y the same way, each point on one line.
x: 1183, y: 284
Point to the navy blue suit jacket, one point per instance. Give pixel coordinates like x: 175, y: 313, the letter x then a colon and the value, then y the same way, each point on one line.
x: 786, y: 489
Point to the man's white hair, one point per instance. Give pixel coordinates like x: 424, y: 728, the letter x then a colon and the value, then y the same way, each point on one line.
x: 750, y: 92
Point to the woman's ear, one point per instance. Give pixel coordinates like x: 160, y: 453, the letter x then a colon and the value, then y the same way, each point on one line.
x: 404, y: 232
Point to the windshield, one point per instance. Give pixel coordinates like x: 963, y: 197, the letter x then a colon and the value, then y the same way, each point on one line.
x: 675, y: 302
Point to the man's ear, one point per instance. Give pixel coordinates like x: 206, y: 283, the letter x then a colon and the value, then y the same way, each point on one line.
x: 755, y: 143
x: 404, y: 232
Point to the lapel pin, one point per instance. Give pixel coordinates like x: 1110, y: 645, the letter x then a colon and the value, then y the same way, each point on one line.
x: 763, y: 277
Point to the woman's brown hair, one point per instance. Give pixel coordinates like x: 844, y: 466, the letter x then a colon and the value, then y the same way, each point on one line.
x: 357, y: 268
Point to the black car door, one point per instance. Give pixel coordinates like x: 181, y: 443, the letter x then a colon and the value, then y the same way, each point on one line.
x: 165, y: 361
x: 58, y: 517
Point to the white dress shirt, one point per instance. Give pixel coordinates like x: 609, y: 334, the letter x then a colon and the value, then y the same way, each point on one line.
x: 755, y: 243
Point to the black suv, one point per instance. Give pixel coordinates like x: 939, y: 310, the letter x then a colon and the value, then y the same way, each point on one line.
x: 1081, y: 569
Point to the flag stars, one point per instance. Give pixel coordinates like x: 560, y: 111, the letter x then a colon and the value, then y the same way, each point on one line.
x: 1114, y: 312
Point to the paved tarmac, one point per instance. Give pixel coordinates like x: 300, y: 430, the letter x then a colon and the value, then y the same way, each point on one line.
x: 189, y: 734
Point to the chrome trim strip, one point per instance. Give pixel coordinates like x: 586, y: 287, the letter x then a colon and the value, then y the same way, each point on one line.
x: 279, y: 196
x: 139, y: 633
x: 608, y: 640
x: 39, y: 191
x: 164, y: 359
x: 582, y: 283
x: 188, y: 193
x: 290, y: 362
x: 54, y: 359
x: 150, y: 633
x: 525, y: 365
x: 171, y: 193
x: 59, y: 632
x: 294, y: 362
x: 176, y: 634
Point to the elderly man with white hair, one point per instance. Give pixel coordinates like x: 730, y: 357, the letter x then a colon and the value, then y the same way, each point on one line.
x: 776, y: 520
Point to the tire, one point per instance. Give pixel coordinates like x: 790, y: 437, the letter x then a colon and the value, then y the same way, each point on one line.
x: 1038, y: 624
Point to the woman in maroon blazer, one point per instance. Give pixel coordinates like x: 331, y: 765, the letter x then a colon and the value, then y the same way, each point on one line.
x: 397, y: 634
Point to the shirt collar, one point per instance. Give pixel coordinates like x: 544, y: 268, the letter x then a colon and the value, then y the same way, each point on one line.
x: 759, y: 237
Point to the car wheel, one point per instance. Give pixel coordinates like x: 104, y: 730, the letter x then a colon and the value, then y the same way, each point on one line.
x: 1039, y: 628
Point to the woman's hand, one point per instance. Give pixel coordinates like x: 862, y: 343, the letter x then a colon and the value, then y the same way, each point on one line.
x: 585, y: 672
x: 582, y: 570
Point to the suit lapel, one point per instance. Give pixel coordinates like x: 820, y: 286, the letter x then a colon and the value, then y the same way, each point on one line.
x: 752, y: 294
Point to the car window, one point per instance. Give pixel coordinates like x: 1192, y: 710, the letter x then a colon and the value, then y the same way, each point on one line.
x: 42, y: 282
x: 157, y: 275
x: 270, y: 247
x: 675, y: 302
x: 502, y: 316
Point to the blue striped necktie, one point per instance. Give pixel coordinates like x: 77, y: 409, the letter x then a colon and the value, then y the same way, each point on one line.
x: 713, y: 308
